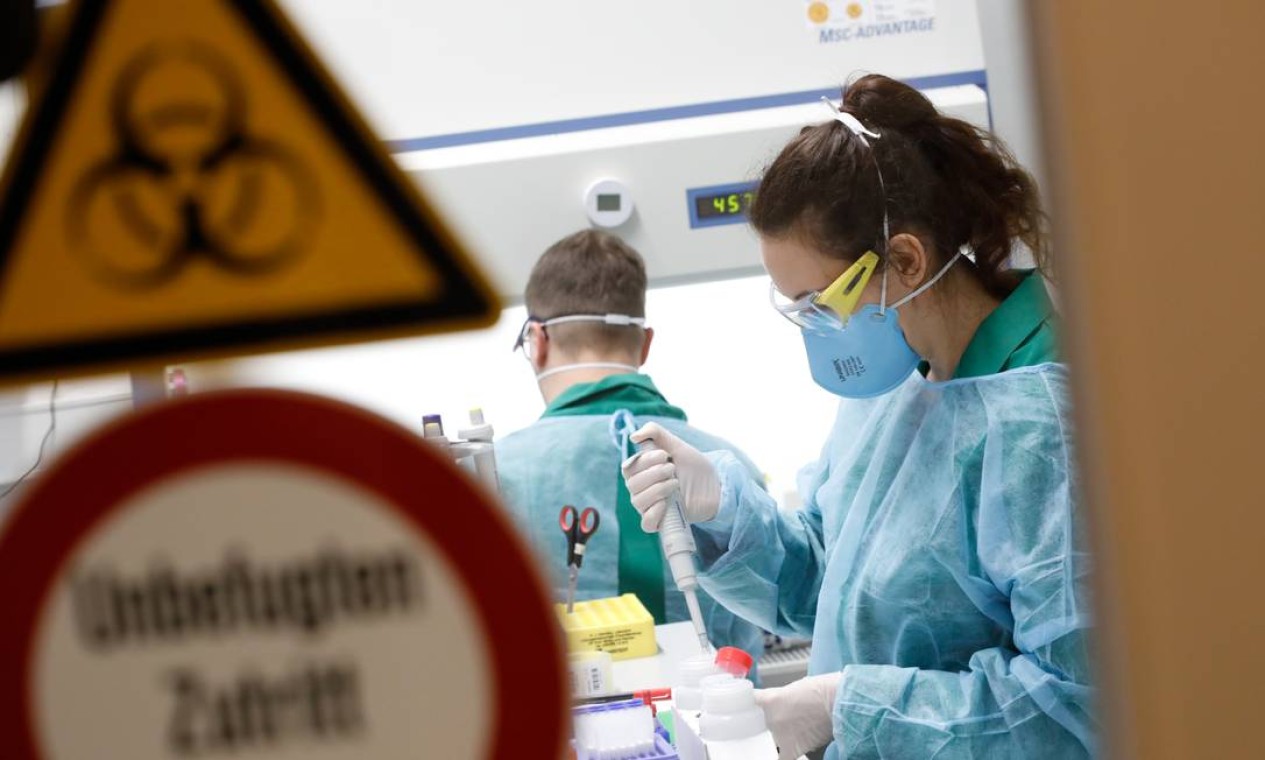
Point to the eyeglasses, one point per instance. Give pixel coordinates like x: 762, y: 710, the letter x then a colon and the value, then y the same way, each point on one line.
x: 523, y: 332
x: 828, y: 309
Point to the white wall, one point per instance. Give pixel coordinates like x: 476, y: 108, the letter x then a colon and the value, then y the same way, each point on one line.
x: 1012, y: 79
x: 1012, y: 86
x: 82, y: 406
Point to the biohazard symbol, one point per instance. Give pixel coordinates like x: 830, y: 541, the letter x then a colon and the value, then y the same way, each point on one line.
x: 187, y: 182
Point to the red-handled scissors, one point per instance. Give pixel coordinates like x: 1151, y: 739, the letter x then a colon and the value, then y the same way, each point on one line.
x: 578, y: 527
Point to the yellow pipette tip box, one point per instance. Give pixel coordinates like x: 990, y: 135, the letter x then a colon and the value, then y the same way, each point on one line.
x: 619, y: 625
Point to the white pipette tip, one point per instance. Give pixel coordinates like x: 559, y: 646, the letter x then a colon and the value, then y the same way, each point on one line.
x: 696, y: 616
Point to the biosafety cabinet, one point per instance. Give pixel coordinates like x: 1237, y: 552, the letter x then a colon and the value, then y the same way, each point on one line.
x: 524, y: 122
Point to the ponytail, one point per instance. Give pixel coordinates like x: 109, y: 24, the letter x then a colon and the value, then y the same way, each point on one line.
x: 944, y: 179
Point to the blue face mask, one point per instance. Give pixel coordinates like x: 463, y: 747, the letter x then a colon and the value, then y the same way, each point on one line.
x: 868, y: 356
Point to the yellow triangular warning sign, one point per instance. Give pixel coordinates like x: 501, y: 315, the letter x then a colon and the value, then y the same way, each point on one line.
x: 191, y: 183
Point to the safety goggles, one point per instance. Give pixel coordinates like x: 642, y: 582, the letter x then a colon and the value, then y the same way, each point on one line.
x: 828, y: 309
x: 618, y: 320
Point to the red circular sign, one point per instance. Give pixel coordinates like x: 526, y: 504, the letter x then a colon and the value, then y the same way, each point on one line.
x: 88, y: 485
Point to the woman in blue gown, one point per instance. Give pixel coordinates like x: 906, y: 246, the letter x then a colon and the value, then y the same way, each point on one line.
x: 939, y: 562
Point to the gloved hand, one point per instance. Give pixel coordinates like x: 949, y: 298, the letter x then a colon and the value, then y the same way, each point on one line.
x: 651, y: 477
x: 799, y: 714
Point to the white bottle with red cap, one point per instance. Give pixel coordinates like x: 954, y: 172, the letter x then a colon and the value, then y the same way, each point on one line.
x: 716, y: 714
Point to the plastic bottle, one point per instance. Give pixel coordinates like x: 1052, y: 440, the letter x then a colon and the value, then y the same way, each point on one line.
x: 692, y: 670
x: 591, y: 673
x: 734, y: 661
x: 730, y: 712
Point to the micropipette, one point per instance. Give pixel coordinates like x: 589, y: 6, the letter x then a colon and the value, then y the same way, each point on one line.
x: 675, y: 535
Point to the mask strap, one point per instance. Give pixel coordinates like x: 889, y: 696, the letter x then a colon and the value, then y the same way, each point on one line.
x: 923, y: 287
x: 859, y: 130
x: 585, y: 365
x: 620, y: 320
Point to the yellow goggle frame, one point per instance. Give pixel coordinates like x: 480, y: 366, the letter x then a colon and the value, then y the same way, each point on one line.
x: 830, y: 308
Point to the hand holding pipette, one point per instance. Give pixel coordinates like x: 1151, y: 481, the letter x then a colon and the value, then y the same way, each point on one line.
x: 669, y: 464
x: 656, y: 493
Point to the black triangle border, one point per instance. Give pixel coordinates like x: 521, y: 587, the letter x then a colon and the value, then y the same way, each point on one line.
x: 463, y: 297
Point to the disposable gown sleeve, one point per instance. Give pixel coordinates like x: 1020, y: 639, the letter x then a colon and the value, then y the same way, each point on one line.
x: 763, y: 564
x: 1031, y: 697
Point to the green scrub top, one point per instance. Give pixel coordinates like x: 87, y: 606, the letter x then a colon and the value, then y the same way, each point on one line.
x: 634, y: 392
x: 640, y: 556
x: 1021, y: 332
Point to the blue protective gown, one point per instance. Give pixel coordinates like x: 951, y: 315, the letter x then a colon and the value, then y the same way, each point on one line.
x: 939, y: 562
x: 570, y: 459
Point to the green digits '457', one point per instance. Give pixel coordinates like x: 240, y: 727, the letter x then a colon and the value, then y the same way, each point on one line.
x: 733, y: 203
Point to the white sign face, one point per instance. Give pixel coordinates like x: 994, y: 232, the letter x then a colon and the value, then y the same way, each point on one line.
x: 252, y: 607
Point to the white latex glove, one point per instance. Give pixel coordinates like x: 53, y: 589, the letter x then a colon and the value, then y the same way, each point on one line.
x: 799, y: 714
x: 651, y: 477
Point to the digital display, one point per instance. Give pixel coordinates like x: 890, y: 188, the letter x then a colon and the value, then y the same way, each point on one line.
x: 608, y: 201
x: 724, y: 204
x: 720, y: 204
